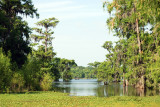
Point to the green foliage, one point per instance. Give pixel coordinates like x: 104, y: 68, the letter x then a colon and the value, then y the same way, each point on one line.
x: 46, y: 67
x: 64, y: 68
x: 5, y: 72
x: 66, y: 75
x: 46, y: 82
x: 45, y: 36
x: 108, y: 45
x: 136, y: 54
x: 105, y: 72
x: 20, y: 71
x: 14, y: 32
x: 32, y: 73
x: 83, y: 72
x: 18, y: 47
x: 95, y: 66
x: 17, y: 82
x: 55, y: 68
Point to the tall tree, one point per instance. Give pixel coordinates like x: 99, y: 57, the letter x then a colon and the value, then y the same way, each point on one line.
x: 45, y: 35
x: 14, y: 31
x: 43, y: 39
x: 130, y: 23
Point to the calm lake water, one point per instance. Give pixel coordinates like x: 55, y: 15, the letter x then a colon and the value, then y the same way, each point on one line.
x: 90, y: 87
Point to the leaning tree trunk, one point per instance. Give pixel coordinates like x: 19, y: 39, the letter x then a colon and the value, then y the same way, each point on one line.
x: 141, y: 83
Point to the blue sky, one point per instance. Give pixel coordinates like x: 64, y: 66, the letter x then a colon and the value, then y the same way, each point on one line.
x: 82, y: 29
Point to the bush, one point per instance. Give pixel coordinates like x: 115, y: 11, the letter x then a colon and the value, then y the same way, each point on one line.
x: 46, y: 82
x: 17, y: 82
x: 5, y: 72
x: 32, y: 74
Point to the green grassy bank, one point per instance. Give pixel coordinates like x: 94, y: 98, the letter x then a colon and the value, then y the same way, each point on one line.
x: 63, y: 100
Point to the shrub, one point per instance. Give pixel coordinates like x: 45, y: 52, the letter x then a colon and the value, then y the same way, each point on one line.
x: 17, y: 82
x: 46, y: 82
x: 5, y: 72
x: 32, y: 74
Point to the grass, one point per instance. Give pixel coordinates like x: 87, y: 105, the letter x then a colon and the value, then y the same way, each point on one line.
x: 54, y: 99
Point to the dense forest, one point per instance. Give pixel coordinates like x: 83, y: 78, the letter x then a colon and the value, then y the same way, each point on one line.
x: 28, y: 61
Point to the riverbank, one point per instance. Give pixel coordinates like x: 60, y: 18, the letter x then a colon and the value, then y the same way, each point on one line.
x: 55, y: 99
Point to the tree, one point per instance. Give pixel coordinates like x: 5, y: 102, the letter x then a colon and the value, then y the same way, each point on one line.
x: 45, y: 36
x: 45, y: 50
x: 55, y: 62
x: 138, y: 46
x: 105, y: 72
x: 83, y: 72
x: 95, y: 66
x: 14, y: 32
x: 64, y: 68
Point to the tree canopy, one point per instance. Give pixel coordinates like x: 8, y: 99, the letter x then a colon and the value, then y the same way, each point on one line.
x: 14, y: 32
x: 137, y: 51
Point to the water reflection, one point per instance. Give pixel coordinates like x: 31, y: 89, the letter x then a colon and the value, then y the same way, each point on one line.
x: 91, y: 87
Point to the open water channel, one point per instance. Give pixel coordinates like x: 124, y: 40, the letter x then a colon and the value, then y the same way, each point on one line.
x: 91, y: 87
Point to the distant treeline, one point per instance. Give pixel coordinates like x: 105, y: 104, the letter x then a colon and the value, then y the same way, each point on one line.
x: 83, y: 72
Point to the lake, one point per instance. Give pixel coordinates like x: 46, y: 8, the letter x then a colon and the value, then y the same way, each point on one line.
x: 91, y: 87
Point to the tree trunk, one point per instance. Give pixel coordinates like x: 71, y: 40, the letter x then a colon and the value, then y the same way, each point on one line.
x: 124, y: 83
x: 127, y: 90
x: 124, y: 91
x: 127, y: 83
x: 141, y: 83
x: 46, y: 39
x: 45, y: 45
x: 138, y: 37
x: 105, y: 83
x: 141, y: 92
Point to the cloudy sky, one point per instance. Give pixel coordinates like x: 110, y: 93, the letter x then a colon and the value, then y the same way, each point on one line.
x: 82, y: 29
